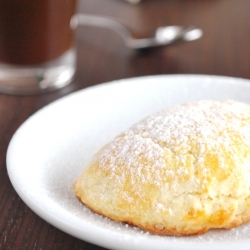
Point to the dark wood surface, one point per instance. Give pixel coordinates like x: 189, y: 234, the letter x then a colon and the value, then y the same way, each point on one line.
x: 223, y: 50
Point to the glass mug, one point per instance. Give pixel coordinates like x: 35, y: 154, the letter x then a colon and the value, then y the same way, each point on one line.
x: 37, y: 52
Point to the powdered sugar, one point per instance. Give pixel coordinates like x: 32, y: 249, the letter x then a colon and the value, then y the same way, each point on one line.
x: 183, y: 135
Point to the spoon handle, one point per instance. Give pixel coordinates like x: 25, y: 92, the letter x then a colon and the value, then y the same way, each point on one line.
x: 102, y: 22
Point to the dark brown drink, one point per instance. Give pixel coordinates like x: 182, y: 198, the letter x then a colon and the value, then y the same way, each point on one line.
x: 35, y: 31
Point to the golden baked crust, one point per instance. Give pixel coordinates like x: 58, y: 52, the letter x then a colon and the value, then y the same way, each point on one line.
x: 181, y: 171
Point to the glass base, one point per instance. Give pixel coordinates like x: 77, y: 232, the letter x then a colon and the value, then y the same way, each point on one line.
x: 50, y: 76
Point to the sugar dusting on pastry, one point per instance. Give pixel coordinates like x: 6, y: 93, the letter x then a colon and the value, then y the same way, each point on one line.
x: 181, y: 171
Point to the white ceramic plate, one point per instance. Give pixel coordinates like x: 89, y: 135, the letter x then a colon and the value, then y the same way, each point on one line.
x: 53, y: 146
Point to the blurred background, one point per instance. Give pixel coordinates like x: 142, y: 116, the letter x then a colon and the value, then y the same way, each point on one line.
x: 225, y: 24
x: 103, y: 57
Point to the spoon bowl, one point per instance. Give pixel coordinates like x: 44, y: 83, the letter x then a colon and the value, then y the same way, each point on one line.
x: 162, y: 36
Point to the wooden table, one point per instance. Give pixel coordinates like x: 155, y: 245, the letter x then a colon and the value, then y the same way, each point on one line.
x: 223, y: 50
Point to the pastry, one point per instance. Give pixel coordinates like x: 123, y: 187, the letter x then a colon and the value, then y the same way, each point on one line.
x: 181, y: 171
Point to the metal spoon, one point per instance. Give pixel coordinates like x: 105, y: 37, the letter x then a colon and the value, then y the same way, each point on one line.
x: 161, y: 37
